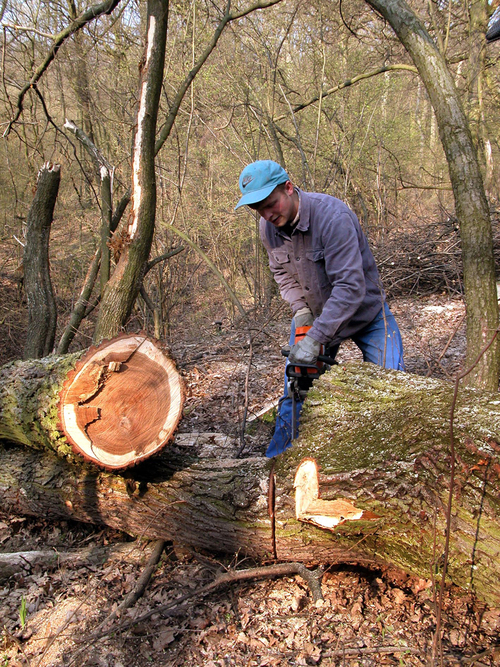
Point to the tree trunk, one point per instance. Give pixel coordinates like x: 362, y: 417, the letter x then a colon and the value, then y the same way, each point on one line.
x: 123, y: 287
x: 116, y: 404
x: 110, y: 221
x: 381, y: 440
x: 42, y: 310
x: 134, y: 243
x: 468, y: 189
x: 106, y: 217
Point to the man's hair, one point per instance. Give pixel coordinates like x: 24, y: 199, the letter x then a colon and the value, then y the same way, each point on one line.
x: 280, y: 187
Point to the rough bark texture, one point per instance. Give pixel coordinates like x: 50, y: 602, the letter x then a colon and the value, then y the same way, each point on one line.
x: 29, y: 395
x: 381, y: 440
x: 42, y: 310
x: 468, y: 189
x: 116, y: 404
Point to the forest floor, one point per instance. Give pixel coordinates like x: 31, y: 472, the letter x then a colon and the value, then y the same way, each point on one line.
x: 50, y: 615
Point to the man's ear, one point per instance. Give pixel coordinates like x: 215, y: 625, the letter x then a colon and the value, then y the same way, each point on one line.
x: 289, y: 188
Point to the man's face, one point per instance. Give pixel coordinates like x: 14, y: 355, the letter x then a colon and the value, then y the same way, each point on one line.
x: 280, y: 207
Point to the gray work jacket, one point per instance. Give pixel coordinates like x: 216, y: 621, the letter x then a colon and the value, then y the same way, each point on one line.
x: 326, y: 265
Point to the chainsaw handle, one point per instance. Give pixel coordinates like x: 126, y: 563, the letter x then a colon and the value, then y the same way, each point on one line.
x: 285, y: 351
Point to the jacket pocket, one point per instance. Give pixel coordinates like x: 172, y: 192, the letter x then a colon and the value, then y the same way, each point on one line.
x: 281, y: 256
x: 317, y: 268
x: 315, y: 255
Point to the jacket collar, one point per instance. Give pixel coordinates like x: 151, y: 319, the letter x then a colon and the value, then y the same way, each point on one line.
x: 304, y: 213
x: 305, y: 209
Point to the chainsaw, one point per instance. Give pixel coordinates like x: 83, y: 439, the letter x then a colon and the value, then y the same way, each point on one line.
x: 300, y: 378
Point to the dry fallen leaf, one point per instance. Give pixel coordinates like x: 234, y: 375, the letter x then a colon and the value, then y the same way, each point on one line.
x: 398, y: 595
x: 164, y: 638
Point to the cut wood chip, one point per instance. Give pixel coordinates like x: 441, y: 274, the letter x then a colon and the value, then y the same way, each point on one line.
x: 322, y: 513
x: 122, y: 403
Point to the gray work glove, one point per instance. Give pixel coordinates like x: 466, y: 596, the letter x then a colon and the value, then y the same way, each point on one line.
x: 303, y: 318
x: 305, y: 351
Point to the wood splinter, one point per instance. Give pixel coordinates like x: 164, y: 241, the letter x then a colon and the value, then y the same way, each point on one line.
x: 310, y: 508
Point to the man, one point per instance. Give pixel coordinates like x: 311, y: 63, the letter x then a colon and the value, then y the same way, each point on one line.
x: 325, y: 270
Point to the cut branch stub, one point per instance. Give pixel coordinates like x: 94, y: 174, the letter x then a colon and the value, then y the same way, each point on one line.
x: 122, y: 403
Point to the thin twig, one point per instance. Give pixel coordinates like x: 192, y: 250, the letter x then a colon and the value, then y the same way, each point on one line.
x: 264, y: 572
x: 448, y: 343
x: 370, y: 651
x: 140, y: 586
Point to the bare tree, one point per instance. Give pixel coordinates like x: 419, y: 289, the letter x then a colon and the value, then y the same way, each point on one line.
x: 134, y: 242
x: 468, y: 189
x: 42, y: 310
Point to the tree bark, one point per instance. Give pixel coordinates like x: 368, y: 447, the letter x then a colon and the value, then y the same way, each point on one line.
x: 42, y: 309
x: 381, y: 440
x: 114, y: 405
x: 81, y: 305
x: 468, y: 189
x: 112, y: 219
x: 123, y: 287
x: 27, y: 562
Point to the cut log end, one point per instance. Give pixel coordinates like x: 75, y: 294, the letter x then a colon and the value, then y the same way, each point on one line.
x: 122, y: 403
x: 327, y: 514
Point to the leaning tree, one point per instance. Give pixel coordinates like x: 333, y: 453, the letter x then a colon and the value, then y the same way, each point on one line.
x: 468, y: 189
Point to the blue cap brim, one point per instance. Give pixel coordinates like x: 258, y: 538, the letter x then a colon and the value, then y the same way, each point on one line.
x: 255, y: 197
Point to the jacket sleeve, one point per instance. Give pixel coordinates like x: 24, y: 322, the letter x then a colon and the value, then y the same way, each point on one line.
x: 344, y: 268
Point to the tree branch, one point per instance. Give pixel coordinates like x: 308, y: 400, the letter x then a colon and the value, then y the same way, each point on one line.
x: 313, y: 579
x: 97, y: 156
x: 147, y: 300
x: 141, y: 584
x: 22, y: 28
x: 161, y: 258
x: 351, y: 82
x: 174, y: 108
x: 79, y: 311
x: 85, y: 17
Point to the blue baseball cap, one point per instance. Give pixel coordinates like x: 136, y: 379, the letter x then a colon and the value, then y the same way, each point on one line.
x: 258, y: 180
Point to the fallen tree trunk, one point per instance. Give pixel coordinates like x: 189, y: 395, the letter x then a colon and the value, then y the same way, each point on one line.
x: 381, y: 441
x: 23, y: 563
x: 115, y: 404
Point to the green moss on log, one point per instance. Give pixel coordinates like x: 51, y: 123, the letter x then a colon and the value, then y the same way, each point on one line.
x: 381, y: 416
x: 29, y: 399
x: 382, y: 439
